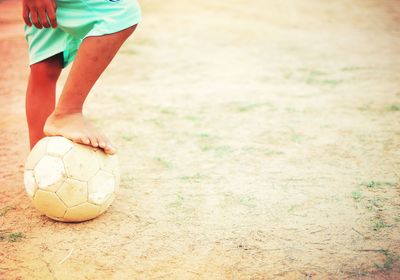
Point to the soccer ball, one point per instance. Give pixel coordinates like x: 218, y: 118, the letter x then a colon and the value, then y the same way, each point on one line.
x: 70, y: 182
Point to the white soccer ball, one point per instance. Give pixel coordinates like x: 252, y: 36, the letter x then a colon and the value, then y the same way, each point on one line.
x: 70, y: 182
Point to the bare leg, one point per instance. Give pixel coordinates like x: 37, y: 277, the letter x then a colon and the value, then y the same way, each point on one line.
x: 41, y: 95
x: 94, y: 55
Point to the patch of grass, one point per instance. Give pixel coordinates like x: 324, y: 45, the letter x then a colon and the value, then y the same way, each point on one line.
x: 291, y: 208
x: 374, y: 204
x: 290, y: 110
x: 167, y: 111
x: 332, y: 83
x: 206, y: 148
x: 129, y: 51
x: 261, y: 150
x: 313, y: 77
x: 296, y: 137
x: 204, y: 141
x: 15, y: 236
x: 156, y: 122
x: 203, y: 135
x: 163, y: 162
x: 394, y: 108
x: 313, y: 72
x: 316, y: 77
x: 4, y: 210
x: 287, y: 75
x: 193, y: 118
x: 223, y: 150
x: 119, y: 98
x: 363, y: 273
x: 365, y: 107
x: 178, y: 201
x: 389, y: 261
x: 357, y: 195
x: 248, y: 201
x: 371, y: 184
x: 390, y: 184
x: 375, y: 199
x: 141, y: 41
x: 128, y: 137
x: 219, y: 151
x: 253, y: 106
x: 236, y: 200
x: 376, y: 184
x: 325, y: 126
x: 194, y: 178
x: 352, y: 68
x: 379, y: 223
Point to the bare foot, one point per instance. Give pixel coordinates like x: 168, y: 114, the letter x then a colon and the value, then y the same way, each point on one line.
x: 74, y: 127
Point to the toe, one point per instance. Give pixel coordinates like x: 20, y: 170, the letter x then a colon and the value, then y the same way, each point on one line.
x: 110, y: 149
x: 93, y: 141
x: 103, y: 141
x: 84, y: 140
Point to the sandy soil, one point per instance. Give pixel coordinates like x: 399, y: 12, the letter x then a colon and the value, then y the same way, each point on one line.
x: 257, y: 141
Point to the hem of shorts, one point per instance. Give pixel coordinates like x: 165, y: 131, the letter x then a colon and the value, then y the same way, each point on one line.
x: 68, y: 56
x: 44, y: 55
x: 99, y: 31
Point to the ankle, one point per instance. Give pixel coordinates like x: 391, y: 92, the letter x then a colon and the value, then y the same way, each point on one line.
x: 59, y: 112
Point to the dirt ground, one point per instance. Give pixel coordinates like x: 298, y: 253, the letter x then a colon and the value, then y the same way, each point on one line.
x: 258, y: 140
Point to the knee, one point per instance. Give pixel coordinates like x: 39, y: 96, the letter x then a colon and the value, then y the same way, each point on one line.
x: 46, y: 71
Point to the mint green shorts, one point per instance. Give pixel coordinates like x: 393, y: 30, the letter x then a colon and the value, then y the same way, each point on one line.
x: 78, y: 19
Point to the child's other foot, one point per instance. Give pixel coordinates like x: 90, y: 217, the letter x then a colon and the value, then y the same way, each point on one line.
x: 74, y: 127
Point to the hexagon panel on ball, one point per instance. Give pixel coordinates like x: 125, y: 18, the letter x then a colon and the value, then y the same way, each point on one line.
x: 49, y: 173
x: 81, y: 163
x: 82, y: 212
x: 101, y: 187
x: 49, y: 204
x: 109, y: 163
x: 73, y: 192
x: 58, y: 146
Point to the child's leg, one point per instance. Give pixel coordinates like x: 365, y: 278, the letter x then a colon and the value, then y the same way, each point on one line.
x: 94, y: 55
x: 41, y: 94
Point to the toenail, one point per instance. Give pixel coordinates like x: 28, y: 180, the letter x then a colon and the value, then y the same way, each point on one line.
x: 110, y: 149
